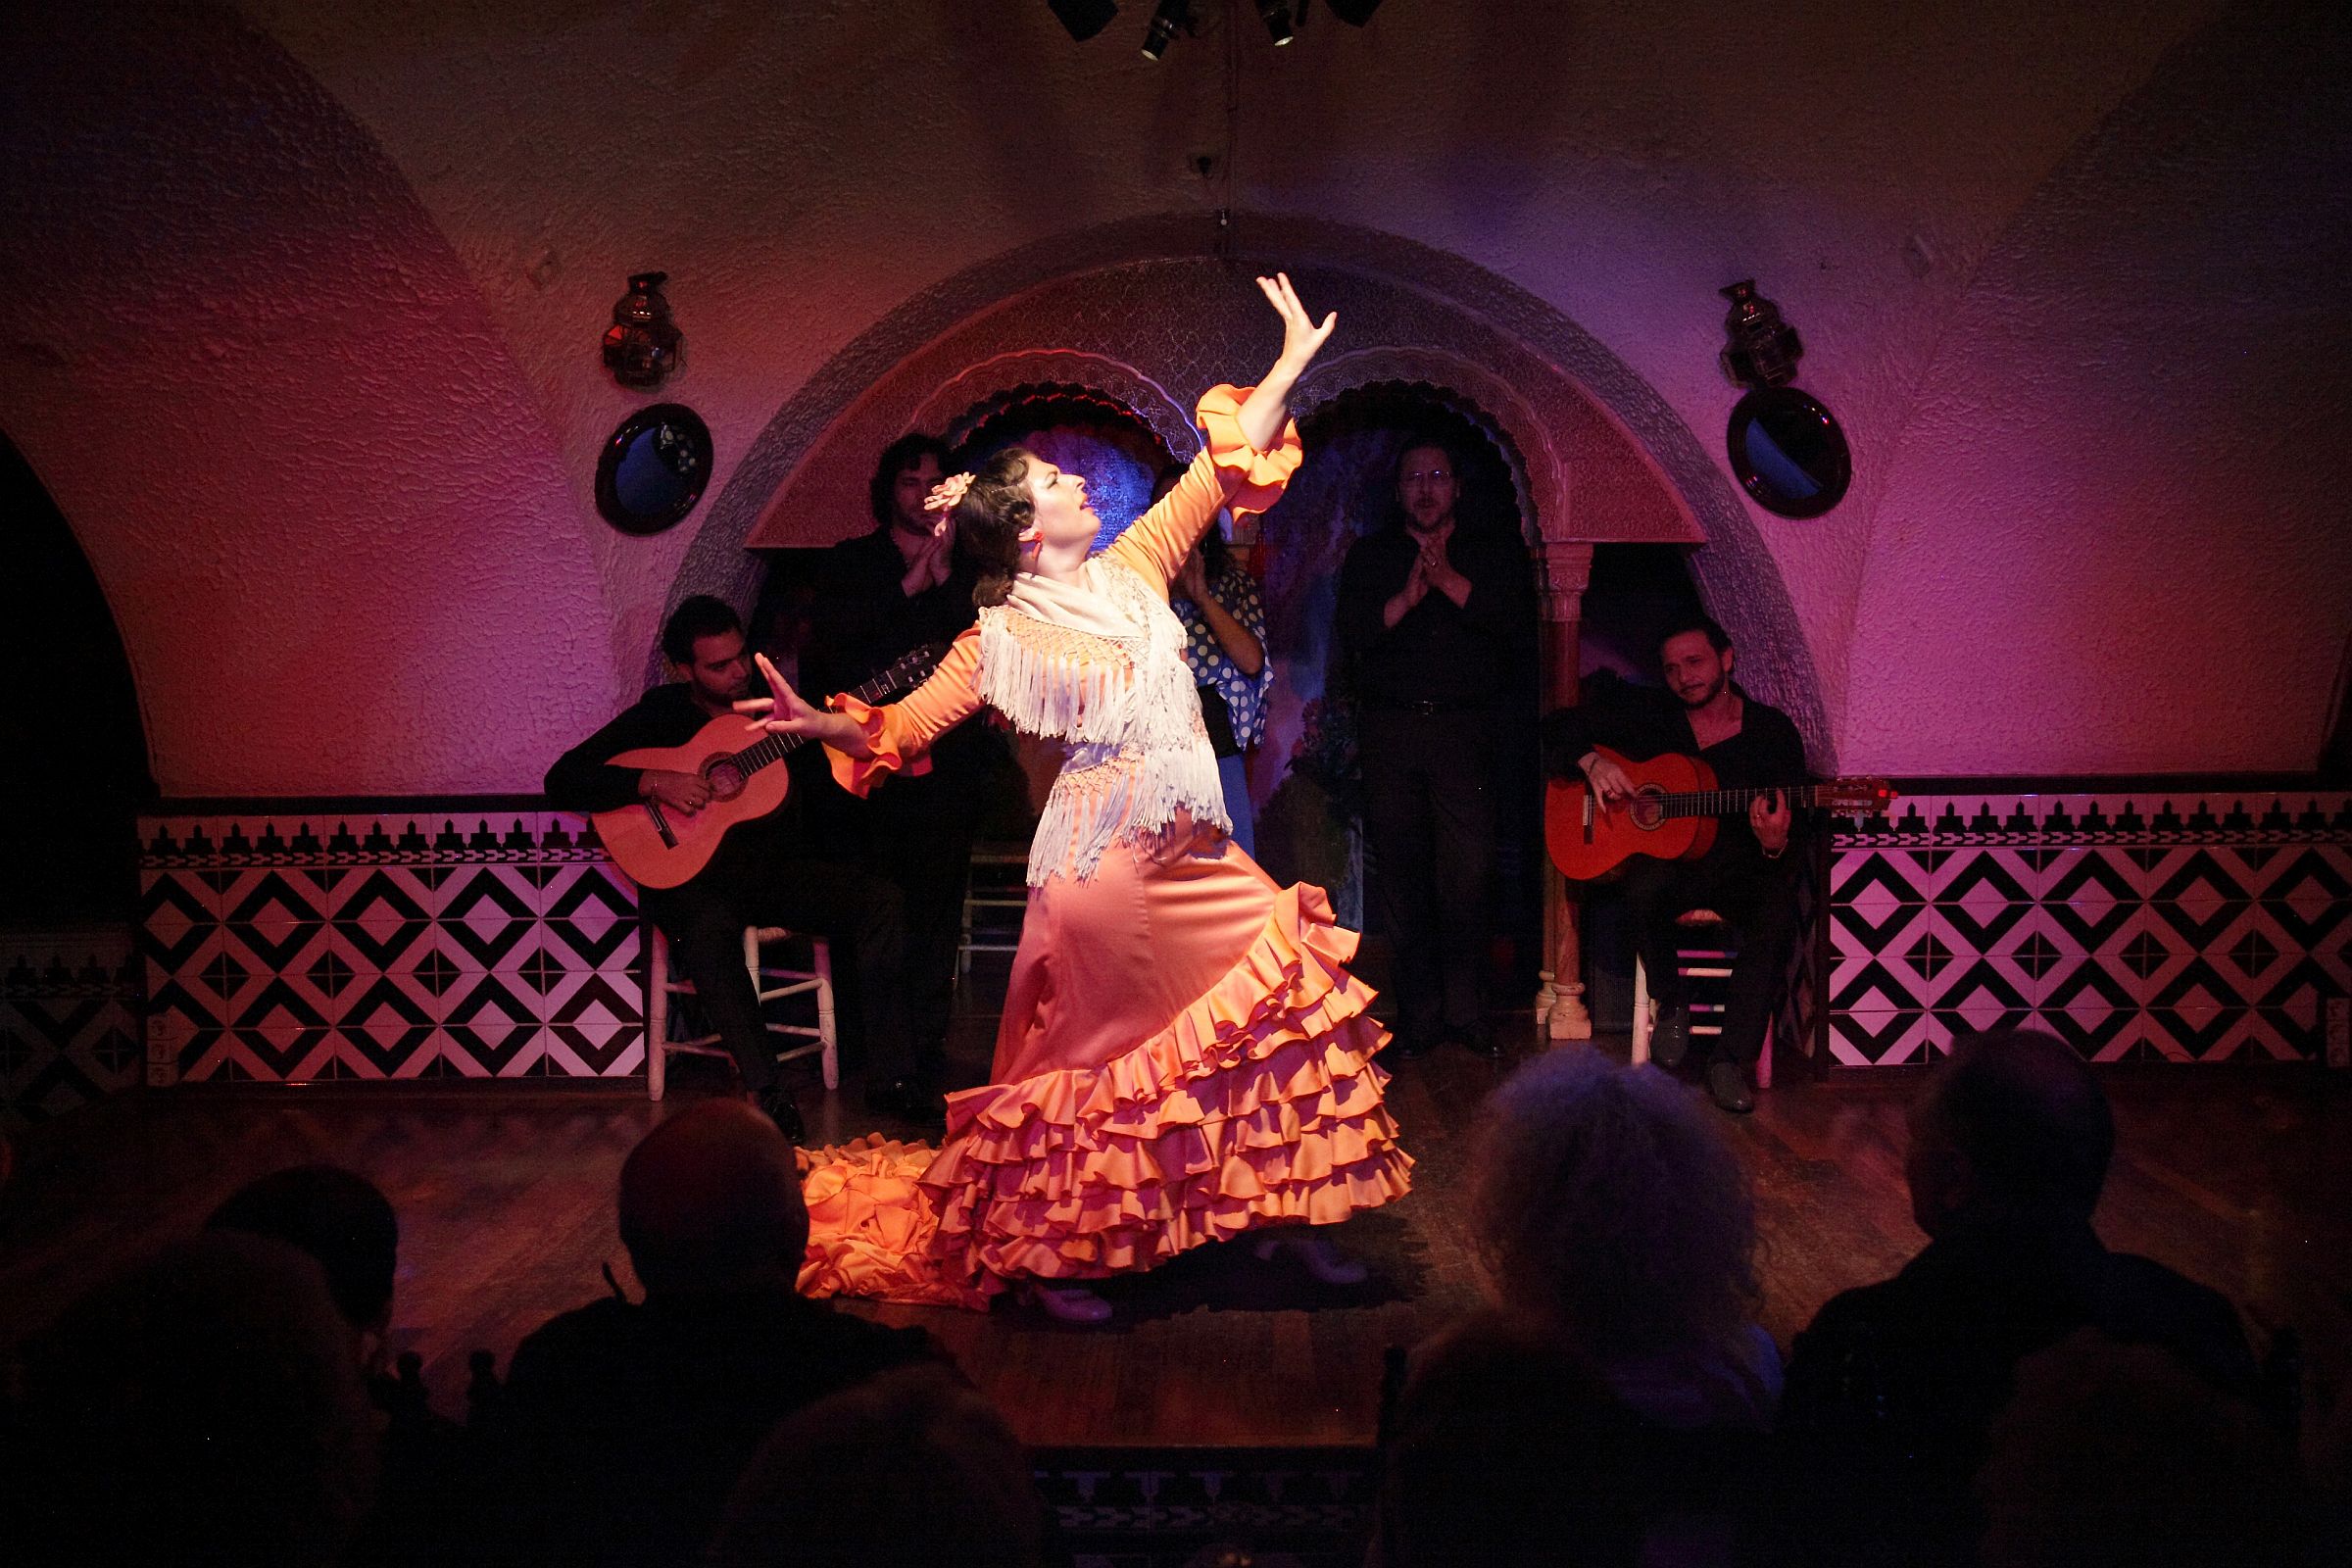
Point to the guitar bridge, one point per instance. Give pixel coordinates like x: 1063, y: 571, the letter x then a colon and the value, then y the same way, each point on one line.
x: 1588, y: 817
x: 670, y: 840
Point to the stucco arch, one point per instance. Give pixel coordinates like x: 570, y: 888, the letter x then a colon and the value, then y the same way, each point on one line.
x: 1138, y: 308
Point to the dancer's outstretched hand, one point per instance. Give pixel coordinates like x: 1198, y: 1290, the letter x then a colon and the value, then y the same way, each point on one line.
x: 786, y: 712
x: 1302, y: 338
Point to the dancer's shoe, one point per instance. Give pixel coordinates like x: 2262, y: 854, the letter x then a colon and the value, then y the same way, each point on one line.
x: 1319, y: 1257
x: 1066, y: 1304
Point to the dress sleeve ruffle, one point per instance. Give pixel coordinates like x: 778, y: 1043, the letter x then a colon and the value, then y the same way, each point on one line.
x: 899, y: 734
x: 1253, y: 480
x: 859, y: 774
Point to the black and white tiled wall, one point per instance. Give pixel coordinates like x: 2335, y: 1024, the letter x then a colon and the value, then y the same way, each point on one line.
x: 434, y: 940
x: 449, y: 939
x: 69, y: 1020
x: 2153, y: 926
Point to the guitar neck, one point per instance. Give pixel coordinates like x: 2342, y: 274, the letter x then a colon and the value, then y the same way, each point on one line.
x: 1735, y: 802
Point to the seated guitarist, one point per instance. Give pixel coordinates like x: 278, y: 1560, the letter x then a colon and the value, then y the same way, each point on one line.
x: 766, y: 871
x: 1745, y: 877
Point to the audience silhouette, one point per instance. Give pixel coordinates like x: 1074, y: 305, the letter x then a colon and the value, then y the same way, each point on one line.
x: 624, y: 1425
x: 2017, y: 1394
x: 203, y: 1407
x: 908, y: 1467
x: 1893, y: 1387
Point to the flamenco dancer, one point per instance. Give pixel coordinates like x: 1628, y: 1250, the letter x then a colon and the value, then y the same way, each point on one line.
x: 1184, y: 1055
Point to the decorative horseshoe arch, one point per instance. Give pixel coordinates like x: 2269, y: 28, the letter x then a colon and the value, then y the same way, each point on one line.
x: 1539, y: 476
x: 966, y: 399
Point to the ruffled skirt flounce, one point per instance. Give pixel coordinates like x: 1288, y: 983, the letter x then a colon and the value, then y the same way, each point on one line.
x: 1259, y: 1103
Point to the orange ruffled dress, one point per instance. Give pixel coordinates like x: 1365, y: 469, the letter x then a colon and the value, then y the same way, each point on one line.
x: 1184, y: 1055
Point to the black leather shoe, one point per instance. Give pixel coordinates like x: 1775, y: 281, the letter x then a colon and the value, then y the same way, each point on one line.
x: 1727, y: 1081
x: 784, y: 1112
x: 1670, y: 1041
x: 1411, y: 1047
x: 1478, y: 1042
x: 908, y: 1100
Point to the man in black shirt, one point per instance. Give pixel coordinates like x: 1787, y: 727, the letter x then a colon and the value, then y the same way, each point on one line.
x: 900, y: 587
x: 1437, y: 630
x: 1744, y: 878
x: 623, y: 1426
x: 764, y: 872
x: 1893, y: 1389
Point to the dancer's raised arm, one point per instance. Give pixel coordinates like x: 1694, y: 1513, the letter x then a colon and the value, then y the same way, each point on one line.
x: 1250, y: 449
x: 1268, y: 407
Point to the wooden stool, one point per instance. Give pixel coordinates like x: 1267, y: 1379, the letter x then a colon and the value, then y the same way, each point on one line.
x: 772, y: 982
x: 998, y: 883
x: 1705, y: 952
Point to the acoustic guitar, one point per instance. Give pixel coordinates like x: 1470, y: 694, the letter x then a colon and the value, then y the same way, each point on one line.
x: 660, y: 845
x: 1673, y: 812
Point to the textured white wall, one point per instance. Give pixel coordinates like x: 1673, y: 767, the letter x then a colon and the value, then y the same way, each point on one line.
x: 262, y: 389
x: 424, y: 225
x: 2119, y: 511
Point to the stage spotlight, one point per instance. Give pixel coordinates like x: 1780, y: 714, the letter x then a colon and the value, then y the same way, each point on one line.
x: 1171, y: 15
x: 1354, y: 13
x: 1277, y: 14
x: 1084, y: 18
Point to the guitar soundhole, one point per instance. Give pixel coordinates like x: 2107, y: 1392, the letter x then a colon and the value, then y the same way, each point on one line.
x: 724, y: 777
x: 1648, y: 808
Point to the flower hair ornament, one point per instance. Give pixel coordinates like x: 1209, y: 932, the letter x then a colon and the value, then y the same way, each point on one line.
x: 947, y: 491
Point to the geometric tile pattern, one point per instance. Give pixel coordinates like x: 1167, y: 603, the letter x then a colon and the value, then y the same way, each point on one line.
x: 69, y: 1021
x: 2165, y: 926
x: 431, y: 939
x: 1802, y: 1020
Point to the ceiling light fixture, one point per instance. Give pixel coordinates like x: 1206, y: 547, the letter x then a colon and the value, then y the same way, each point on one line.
x: 1171, y: 15
x: 1084, y: 18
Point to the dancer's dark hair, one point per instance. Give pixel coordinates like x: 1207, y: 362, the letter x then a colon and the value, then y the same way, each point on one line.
x: 989, y: 520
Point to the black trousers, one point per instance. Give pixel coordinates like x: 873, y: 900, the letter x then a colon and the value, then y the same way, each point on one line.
x: 1428, y: 818
x: 1752, y: 893
x: 919, y: 830
x: 856, y: 911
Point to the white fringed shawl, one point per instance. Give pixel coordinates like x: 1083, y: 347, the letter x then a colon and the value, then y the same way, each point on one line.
x: 1099, y: 666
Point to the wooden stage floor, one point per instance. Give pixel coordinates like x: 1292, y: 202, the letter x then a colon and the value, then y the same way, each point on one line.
x: 2241, y: 1178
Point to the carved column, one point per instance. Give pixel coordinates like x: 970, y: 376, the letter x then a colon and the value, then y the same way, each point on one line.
x: 1563, y: 570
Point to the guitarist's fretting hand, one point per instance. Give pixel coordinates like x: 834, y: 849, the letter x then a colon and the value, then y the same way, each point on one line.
x: 681, y: 792
x: 1772, y: 827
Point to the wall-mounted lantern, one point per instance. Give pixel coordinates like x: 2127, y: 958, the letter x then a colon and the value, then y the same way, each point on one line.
x: 643, y: 347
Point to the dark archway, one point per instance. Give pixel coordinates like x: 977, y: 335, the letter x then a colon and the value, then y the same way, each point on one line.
x: 71, y: 719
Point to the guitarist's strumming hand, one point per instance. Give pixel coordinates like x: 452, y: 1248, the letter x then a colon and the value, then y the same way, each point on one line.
x: 1609, y: 784
x: 1772, y: 826
x: 788, y: 712
x: 681, y: 792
